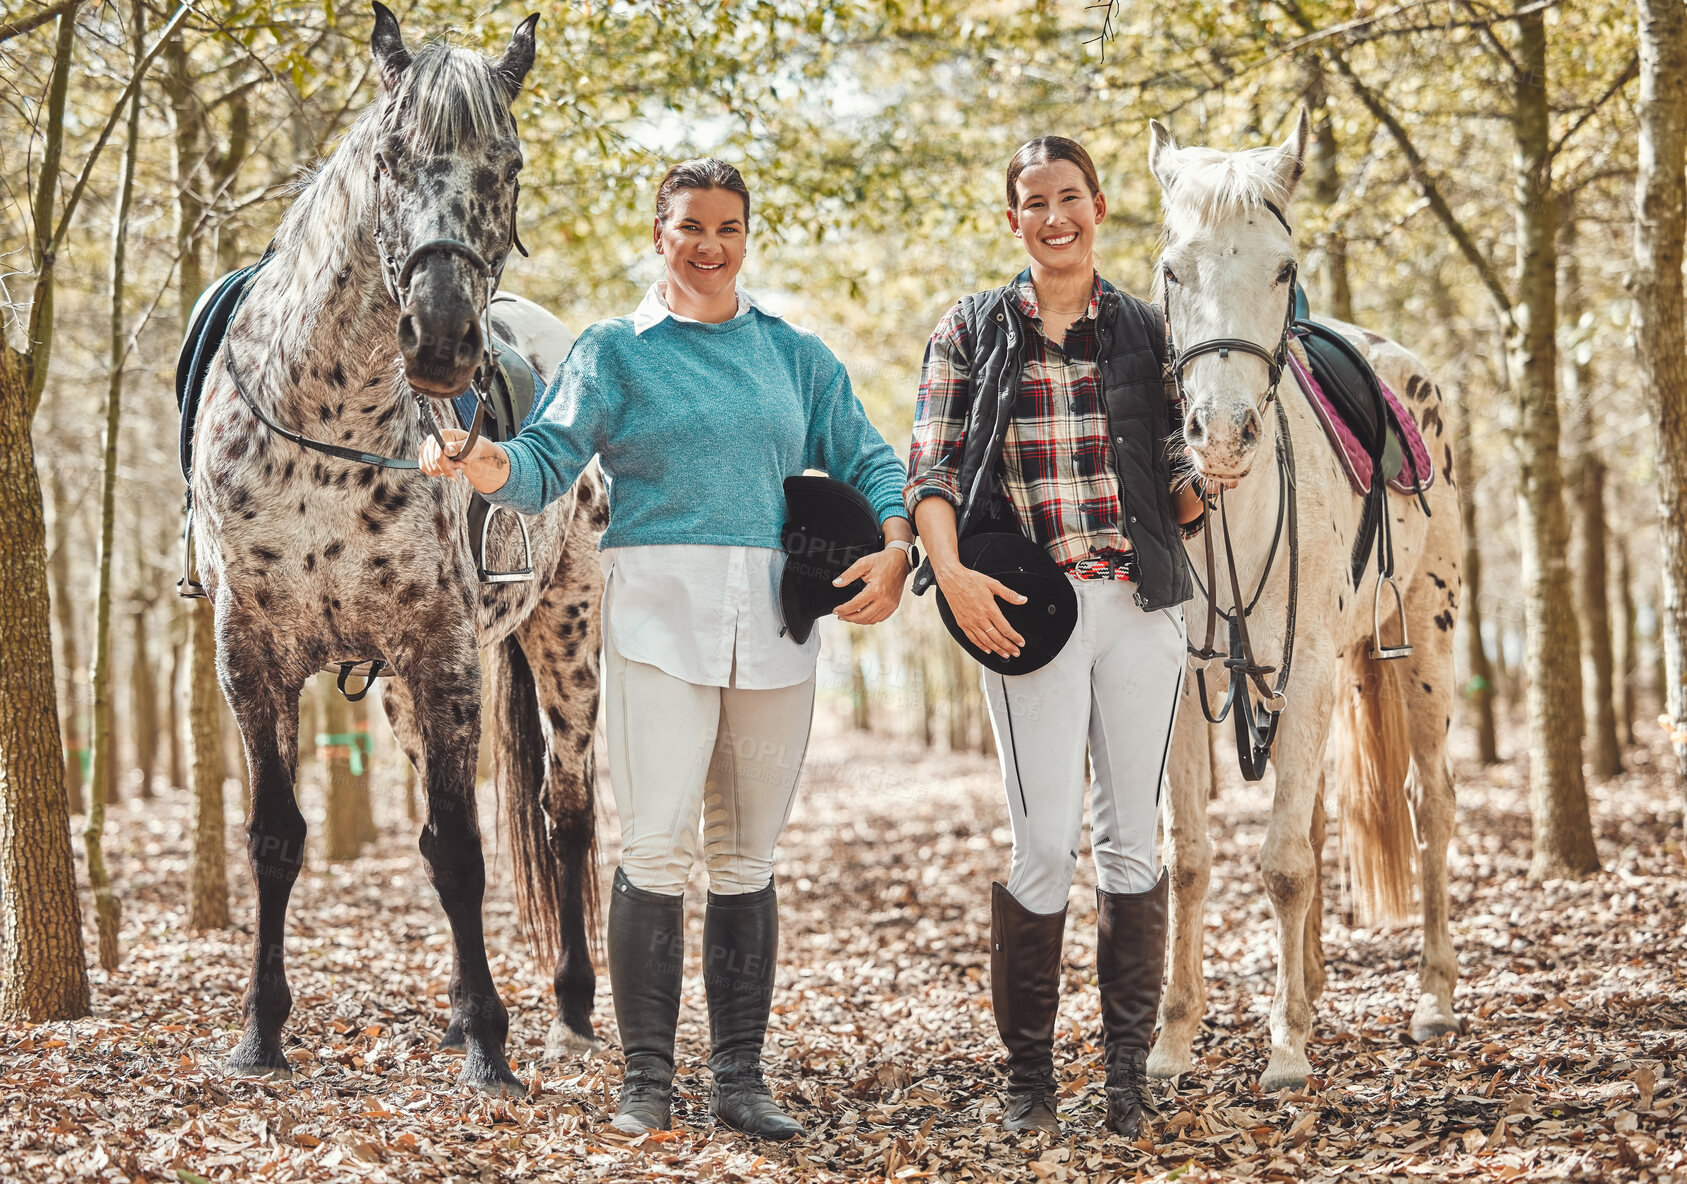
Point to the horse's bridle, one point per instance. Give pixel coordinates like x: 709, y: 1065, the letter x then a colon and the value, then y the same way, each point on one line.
x: 1256, y: 725
x: 396, y: 275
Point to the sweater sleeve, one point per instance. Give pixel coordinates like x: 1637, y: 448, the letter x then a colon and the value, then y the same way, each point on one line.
x: 549, y: 454
x: 844, y: 442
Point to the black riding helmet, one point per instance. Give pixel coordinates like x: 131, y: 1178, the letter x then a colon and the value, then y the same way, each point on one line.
x: 1047, y: 617
x: 828, y: 526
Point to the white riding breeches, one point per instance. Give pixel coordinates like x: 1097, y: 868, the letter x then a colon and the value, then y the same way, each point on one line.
x: 1115, y: 685
x: 678, y: 752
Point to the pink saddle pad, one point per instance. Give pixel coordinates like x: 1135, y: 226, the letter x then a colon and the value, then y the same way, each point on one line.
x: 1353, y: 457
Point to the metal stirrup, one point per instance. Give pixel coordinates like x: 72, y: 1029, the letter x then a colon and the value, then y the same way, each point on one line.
x: 516, y: 575
x: 1379, y: 651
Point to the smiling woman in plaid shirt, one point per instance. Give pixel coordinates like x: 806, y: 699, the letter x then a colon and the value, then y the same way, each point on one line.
x: 1042, y: 408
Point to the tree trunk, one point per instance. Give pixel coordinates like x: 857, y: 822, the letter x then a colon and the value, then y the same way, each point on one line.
x: 1325, y: 177
x: 1628, y: 658
x: 143, y: 702
x: 208, y: 908
x: 64, y: 608
x: 1605, y: 754
x: 1479, y: 691
x: 1563, y: 830
x: 107, y: 909
x: 173, y: 709
x: 1660, y: 325
x: 1585, y: 475
x: 363, y: 771
x: 341, y: 832
x: 42, y: 973
x: 957, y: 713
x: 861, y: 712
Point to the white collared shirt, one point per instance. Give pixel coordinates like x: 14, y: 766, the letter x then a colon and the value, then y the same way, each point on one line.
x: 706, y: 614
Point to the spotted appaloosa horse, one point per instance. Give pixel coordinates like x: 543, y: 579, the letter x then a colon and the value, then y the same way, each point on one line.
x: 310, y: 559
x: 1224, y: 273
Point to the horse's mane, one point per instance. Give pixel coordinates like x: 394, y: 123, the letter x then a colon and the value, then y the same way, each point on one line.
x: 1209, y: 185
x: 450, y: 96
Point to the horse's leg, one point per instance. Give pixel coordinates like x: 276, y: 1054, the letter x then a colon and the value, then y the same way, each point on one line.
x: 401, y: 715
x: 1189, y: 779
x: 1430, y: 692
x: 266, y: 706
x: 442, y: 671
x: 560, y: 640
x: 1316, y: 979
x: 1289, y: 868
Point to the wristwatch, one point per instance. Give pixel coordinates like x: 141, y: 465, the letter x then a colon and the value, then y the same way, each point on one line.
x: 909, y: 551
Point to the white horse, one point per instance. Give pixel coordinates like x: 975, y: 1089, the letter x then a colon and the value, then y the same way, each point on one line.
x: 1226, y: 273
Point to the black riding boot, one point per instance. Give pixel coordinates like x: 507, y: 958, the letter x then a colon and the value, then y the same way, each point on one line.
x: 646, y: 957
x: 740, y: 943
x: 1025, y: 988
x: 1130, y: 963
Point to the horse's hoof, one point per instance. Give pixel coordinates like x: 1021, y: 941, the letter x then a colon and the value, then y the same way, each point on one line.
x: 1285, y: 1071
x: 563, y: 1042
x: 1164, y: 1063
x: 1432, y: 1019
x: 251, y: 1058
x: 491, y: 1076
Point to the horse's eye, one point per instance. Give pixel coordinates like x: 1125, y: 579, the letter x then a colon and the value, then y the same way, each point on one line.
x: 1287, y: 274
x: 1171, y: 276
x: 512, y: 173
x: 381, y: 162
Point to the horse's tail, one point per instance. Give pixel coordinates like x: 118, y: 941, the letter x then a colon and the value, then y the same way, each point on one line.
x: 547, y: 865
x: 1371, y: 741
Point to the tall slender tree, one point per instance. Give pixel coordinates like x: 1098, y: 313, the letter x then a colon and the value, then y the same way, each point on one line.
x: 1660, y: 321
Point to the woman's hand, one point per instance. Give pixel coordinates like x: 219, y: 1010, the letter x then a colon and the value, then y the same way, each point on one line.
x: 487, y: 468
x: 886, y: 572
x: 972, y: 597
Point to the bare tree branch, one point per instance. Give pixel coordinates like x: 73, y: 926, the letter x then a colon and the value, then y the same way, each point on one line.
x: 18, y: 26
x: 1629, y: 73
x: 111, y: 122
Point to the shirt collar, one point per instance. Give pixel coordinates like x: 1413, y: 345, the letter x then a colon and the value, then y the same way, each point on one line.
x: 1025, y: 294
x: 653, y: 309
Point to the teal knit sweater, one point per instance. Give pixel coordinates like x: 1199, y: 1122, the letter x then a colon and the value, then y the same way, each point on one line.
x: 697, y: 426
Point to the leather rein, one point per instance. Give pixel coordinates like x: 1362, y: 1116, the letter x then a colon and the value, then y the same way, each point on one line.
x: 396, y: 275
x: 1256, y: 721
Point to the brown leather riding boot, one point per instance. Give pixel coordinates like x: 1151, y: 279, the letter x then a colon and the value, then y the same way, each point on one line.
x: 1130, y: 962
x: 1025, y: 988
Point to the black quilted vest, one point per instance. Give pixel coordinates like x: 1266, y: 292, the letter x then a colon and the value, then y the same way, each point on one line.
x: 1132, y: 357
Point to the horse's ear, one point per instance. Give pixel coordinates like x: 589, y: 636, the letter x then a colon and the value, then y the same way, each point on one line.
x: 387, y: 46
x: 512, y: 68
x: 1160, y: 148
x: 1291, y: 156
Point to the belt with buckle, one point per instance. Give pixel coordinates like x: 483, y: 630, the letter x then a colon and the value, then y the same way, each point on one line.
x: 1109, y: 565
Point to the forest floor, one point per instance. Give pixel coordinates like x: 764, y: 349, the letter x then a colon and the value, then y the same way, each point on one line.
x: 1571, y: 1064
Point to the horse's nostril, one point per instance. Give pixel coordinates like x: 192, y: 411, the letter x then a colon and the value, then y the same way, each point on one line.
x: 469, y: 347
x: 408, y: 341
x: 1250, y: 429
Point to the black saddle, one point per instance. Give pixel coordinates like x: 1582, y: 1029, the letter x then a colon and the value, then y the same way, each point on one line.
x: 1354, y: 391
x: 204, y: 337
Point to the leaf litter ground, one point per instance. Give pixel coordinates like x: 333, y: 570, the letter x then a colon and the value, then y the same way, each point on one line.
x: 1570, y: 1065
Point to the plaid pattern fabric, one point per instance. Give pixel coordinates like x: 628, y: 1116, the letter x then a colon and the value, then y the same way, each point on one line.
x: 1057, y: 461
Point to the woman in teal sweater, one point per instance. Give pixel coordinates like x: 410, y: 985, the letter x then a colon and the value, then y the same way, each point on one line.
x: 698, y: 406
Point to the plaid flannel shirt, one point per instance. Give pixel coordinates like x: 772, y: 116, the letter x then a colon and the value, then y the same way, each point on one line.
x: 1057, y: 463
